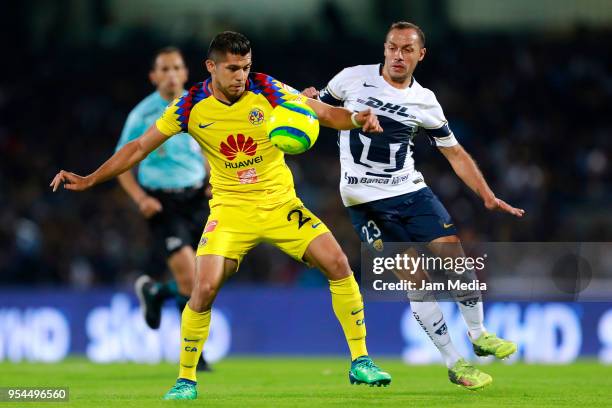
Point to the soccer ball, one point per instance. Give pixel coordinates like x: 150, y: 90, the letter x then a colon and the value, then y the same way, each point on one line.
x: 293, y: 127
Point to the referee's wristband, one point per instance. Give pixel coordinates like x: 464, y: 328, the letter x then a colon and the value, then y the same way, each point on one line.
x: 354, y: 120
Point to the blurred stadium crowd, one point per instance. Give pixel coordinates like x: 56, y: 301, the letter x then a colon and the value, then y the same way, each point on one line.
x: 531, y: 109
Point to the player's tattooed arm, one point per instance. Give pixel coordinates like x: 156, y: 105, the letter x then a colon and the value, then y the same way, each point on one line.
x: 124, y: 159
x: 466, y: 168
x: 343, y: 119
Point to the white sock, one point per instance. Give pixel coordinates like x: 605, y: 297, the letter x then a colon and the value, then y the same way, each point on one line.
x: 429, y: 316
x: 473, y: 315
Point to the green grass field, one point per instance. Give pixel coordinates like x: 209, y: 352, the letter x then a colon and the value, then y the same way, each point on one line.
x: 313, y: 382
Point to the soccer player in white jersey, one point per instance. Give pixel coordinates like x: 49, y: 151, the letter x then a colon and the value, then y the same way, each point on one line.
x: 387, y: 198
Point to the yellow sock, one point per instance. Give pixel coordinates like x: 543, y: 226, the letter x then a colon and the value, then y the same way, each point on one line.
x: 194, y: 331
x: 348, y: 307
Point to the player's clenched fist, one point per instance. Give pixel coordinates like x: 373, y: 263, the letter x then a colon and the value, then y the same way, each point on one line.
x: 71, y: 181
x: 149, y: 206
x: 368, y: 121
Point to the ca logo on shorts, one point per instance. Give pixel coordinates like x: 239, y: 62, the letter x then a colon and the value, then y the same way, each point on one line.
x: 202, y: 242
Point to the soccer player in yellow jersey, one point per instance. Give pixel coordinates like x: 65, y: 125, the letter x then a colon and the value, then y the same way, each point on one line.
x: 253, y: 196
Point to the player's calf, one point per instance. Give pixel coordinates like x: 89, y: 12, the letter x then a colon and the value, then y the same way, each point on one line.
x: 195, y: 322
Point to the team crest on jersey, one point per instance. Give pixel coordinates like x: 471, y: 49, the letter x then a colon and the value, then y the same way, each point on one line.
x: 233, y: 145
x: 256, y: 116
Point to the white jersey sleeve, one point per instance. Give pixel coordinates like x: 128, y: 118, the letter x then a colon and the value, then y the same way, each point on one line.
x: 336, y: 90
x: 434, y: 122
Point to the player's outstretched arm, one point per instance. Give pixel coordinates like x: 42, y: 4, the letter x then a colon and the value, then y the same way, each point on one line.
x: 124, y: 159
x: 343, y: 119
x: 465, y: 167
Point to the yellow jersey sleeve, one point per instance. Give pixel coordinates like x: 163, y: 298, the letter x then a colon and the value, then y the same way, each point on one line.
x: 169, y: 123
x: 274, y: 90
x: 175, y: 118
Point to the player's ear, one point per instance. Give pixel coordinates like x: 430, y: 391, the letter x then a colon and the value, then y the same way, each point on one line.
x: 209, y: 65
x: 422, y: 53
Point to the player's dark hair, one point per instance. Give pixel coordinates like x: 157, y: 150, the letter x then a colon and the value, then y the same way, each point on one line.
x: 228, y: 41
x: 166, y: 50
x: 403, y: 25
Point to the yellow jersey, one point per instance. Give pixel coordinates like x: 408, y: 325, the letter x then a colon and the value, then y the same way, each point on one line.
x: 244, y: 164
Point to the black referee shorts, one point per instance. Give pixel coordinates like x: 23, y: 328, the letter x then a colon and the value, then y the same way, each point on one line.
x: 181, y: 221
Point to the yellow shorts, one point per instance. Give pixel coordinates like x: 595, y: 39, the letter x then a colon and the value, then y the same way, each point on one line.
x: 234, y: 229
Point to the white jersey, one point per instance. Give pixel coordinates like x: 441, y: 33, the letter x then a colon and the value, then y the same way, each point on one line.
x: 374, y: 165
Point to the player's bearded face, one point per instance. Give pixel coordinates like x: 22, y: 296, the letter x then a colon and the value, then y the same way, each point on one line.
x: 169, y: 73
x: 403, y: 51
x: 230, y: 74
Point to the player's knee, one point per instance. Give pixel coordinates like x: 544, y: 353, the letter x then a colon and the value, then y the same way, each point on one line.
x: 338, y: 266
x: 447, y: 247
x: 206, y: 291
